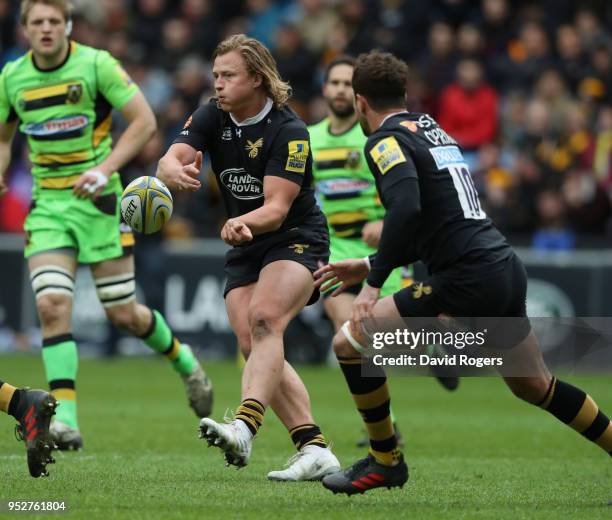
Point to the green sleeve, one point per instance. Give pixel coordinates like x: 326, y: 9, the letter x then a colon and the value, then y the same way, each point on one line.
x: 7, y: 113
x: 114, y: 83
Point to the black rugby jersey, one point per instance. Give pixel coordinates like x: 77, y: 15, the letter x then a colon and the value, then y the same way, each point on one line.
x: 433, y: 211
x: 243, y: 154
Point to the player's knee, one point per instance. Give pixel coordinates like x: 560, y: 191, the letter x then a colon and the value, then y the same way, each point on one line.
x: 342, y: 347
x: 52, y: 308
x: 529, y: 389
x: 263, y: 322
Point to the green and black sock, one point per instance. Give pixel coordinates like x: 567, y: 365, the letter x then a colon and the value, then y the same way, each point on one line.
x: 160, y: 338
x: 61, y: 361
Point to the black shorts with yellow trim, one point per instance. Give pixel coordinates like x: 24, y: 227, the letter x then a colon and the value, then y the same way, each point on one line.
x: 306, y: 244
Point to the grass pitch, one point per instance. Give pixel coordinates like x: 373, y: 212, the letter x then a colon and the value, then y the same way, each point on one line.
x: 476, y: 453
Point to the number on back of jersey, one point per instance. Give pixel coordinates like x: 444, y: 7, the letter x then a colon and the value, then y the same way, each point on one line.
x: 450, y: 158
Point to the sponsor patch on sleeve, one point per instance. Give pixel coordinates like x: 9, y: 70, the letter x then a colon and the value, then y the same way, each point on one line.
x: 297, y: 157
x: 387, y: 153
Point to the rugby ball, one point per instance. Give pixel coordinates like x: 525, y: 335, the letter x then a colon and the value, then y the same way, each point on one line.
x: 146, y: 204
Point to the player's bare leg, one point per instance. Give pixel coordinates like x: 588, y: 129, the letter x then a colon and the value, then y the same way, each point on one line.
x: 268, y: 378
x: 52, y: 275
x: 291, y: 403
x: 116, y: 290
x: 567, y: 403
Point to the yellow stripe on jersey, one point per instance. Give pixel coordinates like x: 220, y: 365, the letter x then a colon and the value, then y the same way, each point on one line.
x: 347, y: 217
x: 333, y: 154
x: 62, y: 158
x: 59, y: 183
x: 45, y: 92
x: 102, y: 130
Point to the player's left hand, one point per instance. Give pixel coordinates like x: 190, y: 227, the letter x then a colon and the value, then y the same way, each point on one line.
x: 236, y: 232
x: 90, y: 184
x: 372, y: 232
x: 363, y: 305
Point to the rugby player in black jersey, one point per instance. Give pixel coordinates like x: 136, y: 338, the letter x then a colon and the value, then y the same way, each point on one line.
x: 260, y: 152
x: 432, y: 214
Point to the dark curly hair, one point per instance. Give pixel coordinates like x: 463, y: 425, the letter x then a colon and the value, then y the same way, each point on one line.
x: 381, y: 78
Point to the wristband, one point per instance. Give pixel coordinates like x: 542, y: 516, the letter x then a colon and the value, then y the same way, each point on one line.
x: 366, y: 259
x: 101, y: 180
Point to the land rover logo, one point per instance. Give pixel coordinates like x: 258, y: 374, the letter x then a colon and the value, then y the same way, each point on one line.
x: 241, y: 185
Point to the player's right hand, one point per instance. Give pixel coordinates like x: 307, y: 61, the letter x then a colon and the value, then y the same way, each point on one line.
x: 178, y: 177
x: 3, y: 186
x: 346, y: 273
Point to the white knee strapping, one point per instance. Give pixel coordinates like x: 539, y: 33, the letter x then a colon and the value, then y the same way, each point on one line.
x: 346, y: 329
x: 52, y: 279
x: 116, y: 290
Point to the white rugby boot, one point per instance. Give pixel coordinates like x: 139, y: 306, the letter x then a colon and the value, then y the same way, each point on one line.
x: 310, y: 463
x: 234, y: 438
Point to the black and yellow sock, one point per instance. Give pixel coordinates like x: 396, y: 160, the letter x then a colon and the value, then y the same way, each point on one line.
x: 307, y: 435
x: 9, y: 399
x: 251, y: 412
x: 61, y: 362
x: 578, y: 410
x: 160, y: 338
x: 371, y: 395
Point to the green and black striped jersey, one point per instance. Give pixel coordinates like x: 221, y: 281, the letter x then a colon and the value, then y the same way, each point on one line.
x: 65, y: 112
x: 345, y: 186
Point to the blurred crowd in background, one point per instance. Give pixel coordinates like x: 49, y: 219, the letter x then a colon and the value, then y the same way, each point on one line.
x: 525, y: 88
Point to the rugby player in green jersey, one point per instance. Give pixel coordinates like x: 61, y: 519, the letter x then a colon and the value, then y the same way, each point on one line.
x: 346, y: 191
x: 63, y: 93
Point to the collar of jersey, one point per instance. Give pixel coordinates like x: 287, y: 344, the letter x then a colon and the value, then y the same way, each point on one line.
x: 394, y: 114
x: 256, y: 118
x: 71, y: 49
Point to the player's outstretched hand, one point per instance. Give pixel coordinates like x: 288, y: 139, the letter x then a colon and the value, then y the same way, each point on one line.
x: 235, y: 232
x: 346, y: 273
x: 363, y: 305
x: 90, y: 184
x: 178, y: 177
x: 191, y: 172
